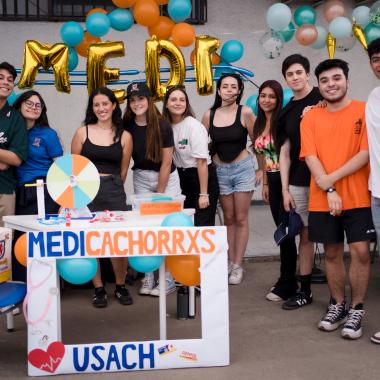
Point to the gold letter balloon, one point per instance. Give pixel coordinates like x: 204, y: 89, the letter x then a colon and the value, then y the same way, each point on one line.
x: 154, y: 49
x: 205, y: 46
x: 97, y: 72
x: 55, y: 56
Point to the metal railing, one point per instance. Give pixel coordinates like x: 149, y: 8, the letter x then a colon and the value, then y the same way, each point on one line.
x: 66, y: 10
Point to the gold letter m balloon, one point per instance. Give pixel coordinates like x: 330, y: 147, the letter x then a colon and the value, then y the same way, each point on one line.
x: 36, y: 55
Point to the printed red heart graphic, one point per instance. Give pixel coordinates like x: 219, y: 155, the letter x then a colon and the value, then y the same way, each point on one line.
x: 47, y: 360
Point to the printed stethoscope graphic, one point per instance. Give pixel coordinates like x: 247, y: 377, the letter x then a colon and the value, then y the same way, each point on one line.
x: 41, y: 270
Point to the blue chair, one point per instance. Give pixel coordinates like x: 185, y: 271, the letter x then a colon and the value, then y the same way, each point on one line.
x: 12, y: 293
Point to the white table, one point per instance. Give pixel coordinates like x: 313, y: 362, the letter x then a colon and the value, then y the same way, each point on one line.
x: 28, y: 223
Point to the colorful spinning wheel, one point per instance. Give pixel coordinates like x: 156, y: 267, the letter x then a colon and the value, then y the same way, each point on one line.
x: 73, y: 181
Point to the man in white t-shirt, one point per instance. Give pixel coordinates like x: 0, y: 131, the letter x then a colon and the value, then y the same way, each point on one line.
x: 372, y: 115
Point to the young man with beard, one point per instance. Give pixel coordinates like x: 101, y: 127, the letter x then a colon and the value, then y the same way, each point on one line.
x: 372, y: 114
x: 13, y: 141
x: 295, y: 179
x: 335, y: 147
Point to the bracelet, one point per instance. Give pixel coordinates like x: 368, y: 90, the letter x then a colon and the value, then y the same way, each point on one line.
x: 265, y: 184
x: 203, y: 195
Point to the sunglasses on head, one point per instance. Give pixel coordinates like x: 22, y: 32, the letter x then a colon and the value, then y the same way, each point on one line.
x: 175, y: 87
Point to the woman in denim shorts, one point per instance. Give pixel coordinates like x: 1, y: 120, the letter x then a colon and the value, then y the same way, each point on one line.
x: 229, y: 124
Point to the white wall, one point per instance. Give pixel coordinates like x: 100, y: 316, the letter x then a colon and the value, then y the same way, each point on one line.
x: 243, y: 20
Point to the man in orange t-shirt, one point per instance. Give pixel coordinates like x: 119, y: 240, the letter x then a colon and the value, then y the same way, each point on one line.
x: 335, y: 147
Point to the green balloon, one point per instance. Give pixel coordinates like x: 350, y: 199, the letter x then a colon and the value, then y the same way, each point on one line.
x: 372, y: 32
x: 305, y: 14
x: 287, y: 33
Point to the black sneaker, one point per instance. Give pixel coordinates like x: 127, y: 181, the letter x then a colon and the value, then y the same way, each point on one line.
x: 336, y: 315
x: 100, y: 297
x: 352, y: 329
x: 299, y: 300
x: 123, y: 296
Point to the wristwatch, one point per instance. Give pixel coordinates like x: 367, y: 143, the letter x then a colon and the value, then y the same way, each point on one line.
x: 330, y: 190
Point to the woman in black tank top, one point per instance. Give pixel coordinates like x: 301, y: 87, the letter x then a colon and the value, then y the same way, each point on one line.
x: 229, y: 124
x: 102, y: 140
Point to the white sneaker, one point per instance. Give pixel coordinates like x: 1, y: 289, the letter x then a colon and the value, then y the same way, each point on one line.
x: 147, y: 284
x: 170, y: 288
x: 236, y: 275
x: 230, y: 266
x: 273, y: 297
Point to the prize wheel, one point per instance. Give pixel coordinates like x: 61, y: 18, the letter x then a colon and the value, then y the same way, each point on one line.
x: 73, y: 181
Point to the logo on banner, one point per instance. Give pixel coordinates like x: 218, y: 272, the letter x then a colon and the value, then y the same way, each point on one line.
x: 48, y: 360
x: 167, y: 349
x: 2, y: 249
x: 188, y: 356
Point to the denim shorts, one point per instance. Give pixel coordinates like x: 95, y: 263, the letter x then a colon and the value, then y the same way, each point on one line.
x: 236, y: 176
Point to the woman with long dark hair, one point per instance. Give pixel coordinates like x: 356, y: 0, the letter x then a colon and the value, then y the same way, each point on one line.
x: 153, y: 169
x: 102, y: 140
x: 44, y: 147
x: 229, y: 125
x: 269, y: 105
x: 191, y: 156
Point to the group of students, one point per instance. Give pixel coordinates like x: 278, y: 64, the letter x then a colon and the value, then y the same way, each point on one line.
x: 170, y: 153
x: 313, y: 157
x: 318, y: 160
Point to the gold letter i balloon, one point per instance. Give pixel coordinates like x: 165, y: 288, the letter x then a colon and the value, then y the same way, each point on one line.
x: 154, y: 49
x: 358, y: 32
x: 330, y: 44
x: 205, y: 46
x: 97, y: 72
x: 36, y: 55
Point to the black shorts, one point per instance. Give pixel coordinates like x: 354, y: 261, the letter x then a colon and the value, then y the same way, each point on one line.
x: 328, y: 229
x: 111, y: 195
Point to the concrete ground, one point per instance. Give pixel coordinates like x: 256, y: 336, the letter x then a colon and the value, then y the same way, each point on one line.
x: 267, y: 343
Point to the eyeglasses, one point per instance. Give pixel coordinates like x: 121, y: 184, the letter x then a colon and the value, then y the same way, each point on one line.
x: 37, y: 106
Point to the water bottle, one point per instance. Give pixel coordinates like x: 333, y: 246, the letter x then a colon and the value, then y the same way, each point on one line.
x: 183, y: 303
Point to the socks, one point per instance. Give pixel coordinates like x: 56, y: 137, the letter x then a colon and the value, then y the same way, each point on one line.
x: 305, y: 284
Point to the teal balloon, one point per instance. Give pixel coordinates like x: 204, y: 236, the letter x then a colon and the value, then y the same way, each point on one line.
x: 77, y: 271
x: 121, y: 19
x: 72, y: 33
x: 73, y: 59
x: 305, y: 14
x: 179, y: 10
x: 320, y: 42
x: 232, y: 51
x: 13, y: 97
x: 340, y: 27
x: 98, y: 24
x: 146, y: 264
x: 287, y: 33
x: 288, y: 94
x: 252, y: 102
x: 361, y: 15
x: 278, y: 16
x: 177, y: 219
x: 372, y: 32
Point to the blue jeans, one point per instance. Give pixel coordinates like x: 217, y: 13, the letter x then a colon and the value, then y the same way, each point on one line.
x: 375, y: 207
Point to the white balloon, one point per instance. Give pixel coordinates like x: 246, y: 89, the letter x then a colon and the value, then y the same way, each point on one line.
x: 278, y: 16
x: 340, y: 27
x: 271, y: 44
x: 321, y: 39
x: 361, y: 15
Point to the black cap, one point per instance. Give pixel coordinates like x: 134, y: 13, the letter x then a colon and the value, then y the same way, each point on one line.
x: 140, y: 89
